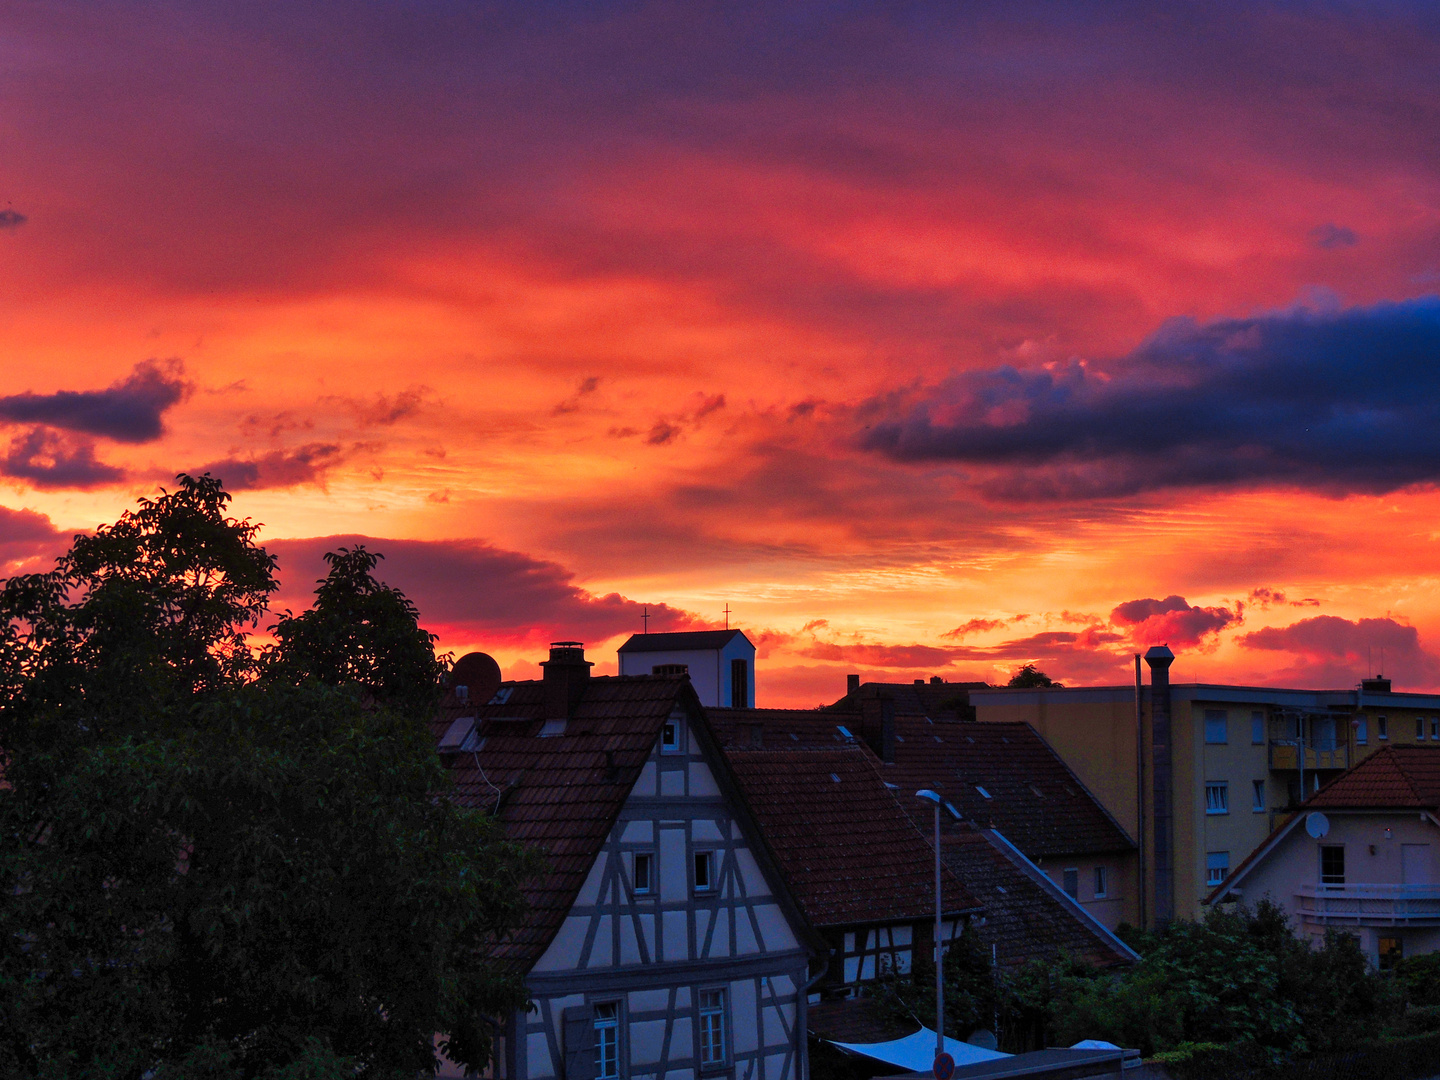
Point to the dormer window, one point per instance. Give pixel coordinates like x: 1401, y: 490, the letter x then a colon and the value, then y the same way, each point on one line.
x: 670, y: 736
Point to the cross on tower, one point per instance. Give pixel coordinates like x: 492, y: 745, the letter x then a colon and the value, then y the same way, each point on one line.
x: 727, y: 615
x: 645, y: 620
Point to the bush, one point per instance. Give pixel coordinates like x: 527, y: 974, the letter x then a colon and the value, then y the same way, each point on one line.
x: 1419, y: 977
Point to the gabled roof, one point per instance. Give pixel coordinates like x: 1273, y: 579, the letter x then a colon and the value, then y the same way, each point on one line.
x: 680, y: 641
x: 849, y: 853
x: 1027, y: 916
x: 932, y: 699
x: 1403, y: 777
x: 1035, y: 800
x: 560, y: 794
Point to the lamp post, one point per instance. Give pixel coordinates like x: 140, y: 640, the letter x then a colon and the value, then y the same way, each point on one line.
x: 939, y: 973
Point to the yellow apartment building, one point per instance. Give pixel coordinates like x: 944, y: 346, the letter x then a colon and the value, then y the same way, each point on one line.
x: 1204, y: 772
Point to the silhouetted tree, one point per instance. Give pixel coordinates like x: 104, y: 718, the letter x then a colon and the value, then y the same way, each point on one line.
x: 1031, y: 676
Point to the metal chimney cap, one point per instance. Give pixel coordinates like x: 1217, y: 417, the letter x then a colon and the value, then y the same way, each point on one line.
x: 1159, y: 654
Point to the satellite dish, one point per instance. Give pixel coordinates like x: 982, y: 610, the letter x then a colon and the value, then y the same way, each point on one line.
x: 479, y: 674
x: 1317, y: 824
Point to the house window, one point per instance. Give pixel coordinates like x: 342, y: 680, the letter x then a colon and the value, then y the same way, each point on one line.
x: 1382, y: 728
x: 670, y: 737
x: 1072, y: 882
x: 1217, y: 797
x: 1217, y: 867
x: 1435, y: 727
x: 1257, y: 728
x: 607, y: 1040
x: 739, y: 684
x: 1391, y: 952
x: 1101, y: 890
x: 643, y: 872
x: 1419, y: 727
x: 1258, y: 794
x: 1362, y: 731
x: 713, y: 1034
x: 1216, y: 726
x: 704, y: 871
x: 1332, y: 864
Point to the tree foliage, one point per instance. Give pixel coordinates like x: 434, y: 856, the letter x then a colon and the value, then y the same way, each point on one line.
x: 227, y: 865
x: 1031, y: 676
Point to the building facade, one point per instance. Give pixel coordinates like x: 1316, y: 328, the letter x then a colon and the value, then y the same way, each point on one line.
x: 1230, y: 763
x: 720, y: 663
x: 661, y: 942
x: 1363, y: 855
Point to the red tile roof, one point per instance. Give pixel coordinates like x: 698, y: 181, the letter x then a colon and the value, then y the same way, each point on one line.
x: 848, y: 851
x: 1035, y: 800
x: 559, y: 794
x: 1403, y: 777
x: 1024, y: 918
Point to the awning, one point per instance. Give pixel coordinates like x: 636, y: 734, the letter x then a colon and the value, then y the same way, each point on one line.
x: 917, y: 1052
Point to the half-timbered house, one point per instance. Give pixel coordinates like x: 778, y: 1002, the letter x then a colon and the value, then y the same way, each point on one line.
x: 661, y: 941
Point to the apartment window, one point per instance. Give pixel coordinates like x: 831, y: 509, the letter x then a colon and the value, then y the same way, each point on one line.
x: 1101, y: 884
x: 1071, y: 878
x: 1258, y: 794
x: 1217, y: 798
x: 739, y: 684
x: 1435, y: 727
x: 1382, y: 728
x: 714, y: 1039
x: 1419, y: 727
x: 1391, y: 952
x: 1216, y: 726
x: 642, y: 870
x: 1362, y: 731
x: 607, y: 1040
x: 1217, y: 867
x: 1332, y: 864
x: 670, y: 737
x: 704, y: 871
x: 1257, y: 728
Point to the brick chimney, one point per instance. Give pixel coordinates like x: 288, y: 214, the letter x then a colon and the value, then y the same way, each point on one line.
x: 566, y: 673
x: 852, y: 684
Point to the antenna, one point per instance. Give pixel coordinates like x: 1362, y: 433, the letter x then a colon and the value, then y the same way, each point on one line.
x: 645, y: 620
x: 727, y: 614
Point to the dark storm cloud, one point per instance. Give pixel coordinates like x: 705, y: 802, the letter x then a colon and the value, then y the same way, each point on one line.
x: 129, y: 411
x: 1334, y: 401
x: 11, y: 219
x: 306, y: 464
x: 50, y: 459
x: 473, y: 589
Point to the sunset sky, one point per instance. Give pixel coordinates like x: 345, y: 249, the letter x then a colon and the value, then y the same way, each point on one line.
x: 933, y: 338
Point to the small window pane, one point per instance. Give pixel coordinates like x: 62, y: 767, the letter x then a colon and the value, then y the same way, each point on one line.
x: 1435, y: 727
x: 1362, y: 731
x: 1100, y: 883
x: 704, y: 871
x: 1257, y: 728
x: 1258, y: 795
x: 1072, y: 882
x: 644, y: 870
x: 607, y: 1040
x: 1216, y: 723
x: 1217, y: 867
x: 712, y: 1028
x: 1217, y: 798
x: 1419, y: 727
x: 1382, y: 727
x: 1332, y: 864
x: 1391, y: 952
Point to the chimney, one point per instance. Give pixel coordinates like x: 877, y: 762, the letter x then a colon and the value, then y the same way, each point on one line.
x: 1378, y: 685
x: 887, y: 730
x: 566, y: 673
x: 1160, y: 658
x: 852, y: 684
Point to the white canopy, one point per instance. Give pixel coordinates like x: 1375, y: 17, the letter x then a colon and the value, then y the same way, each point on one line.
x: 917, y: 1052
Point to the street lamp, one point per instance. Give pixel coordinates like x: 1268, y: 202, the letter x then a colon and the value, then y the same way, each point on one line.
x: 939, y: 975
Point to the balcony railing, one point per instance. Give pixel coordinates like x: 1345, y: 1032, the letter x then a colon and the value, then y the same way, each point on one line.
x: 1288, y: 757
x: 1386, y: 905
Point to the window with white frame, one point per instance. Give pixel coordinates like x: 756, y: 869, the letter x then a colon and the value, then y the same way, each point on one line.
x: 1257, y: 728
x: 1435, y: 727
x: 642, y: 872
x: 1217, y: 726
x: 1419, y: 727
x: 1101, y: 883
x: 1217, y: 797
x: 704, y: 871
x: 1332, y: 864
x: 714, y: 1033
x: 1382, y: 728
x: 607, y: 1040
x: 1217, y: 867
x: 1258, y: 796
